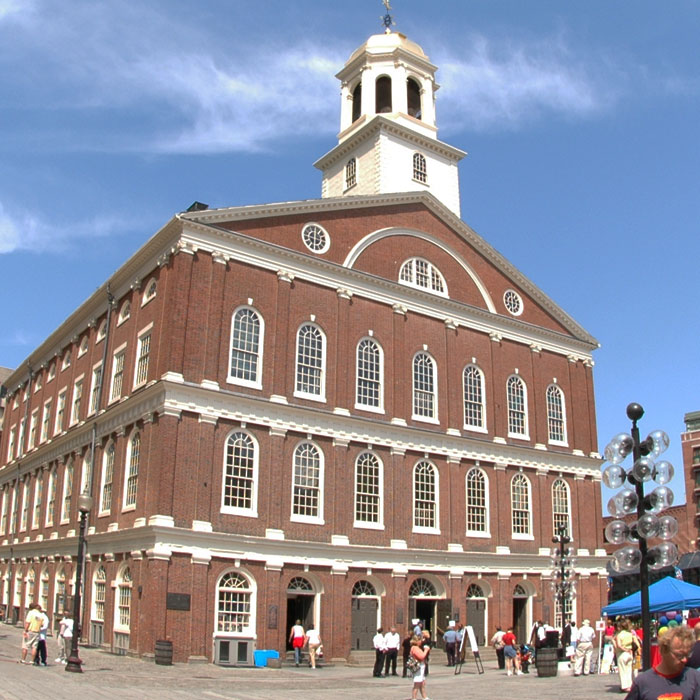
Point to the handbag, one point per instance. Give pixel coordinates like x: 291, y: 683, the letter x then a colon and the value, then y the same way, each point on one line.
x: 412, y: 665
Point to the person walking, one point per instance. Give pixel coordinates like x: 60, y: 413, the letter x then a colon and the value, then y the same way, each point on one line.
x: 40, y: 659
x: 584, y: 649
x: 65, y: 638
x: 392, y: 642
x: 625, y: 642
x: 420, y: 651
x: 30, y: 637
x: 450, y: 639
x: 313, y: 640
x: 379, y: 649
x: 296, y: 638
x: 510, y: 652
x: 498, y: 644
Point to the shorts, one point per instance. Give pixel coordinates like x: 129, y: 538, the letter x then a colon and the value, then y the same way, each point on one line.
x: 509, y: 651
x: 30, y: 641
x: 419, y: 675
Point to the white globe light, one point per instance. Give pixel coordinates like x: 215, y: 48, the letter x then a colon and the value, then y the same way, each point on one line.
x: 627, y: 500
x: 614, y: 476
x: 615, y: 565
x: 643, y: 469
x: 659, y: 442
x: 628, y: 558
x: 668, y: 527
x: 663, y: 472
x: 614, y: 509
x: 660, y: 499
x: 664, y: 554
x: 616, y: 532
x: 648, y: 526
x: 618, y: 448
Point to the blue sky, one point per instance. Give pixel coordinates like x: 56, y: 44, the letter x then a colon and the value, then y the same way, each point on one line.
x: 580, y: 118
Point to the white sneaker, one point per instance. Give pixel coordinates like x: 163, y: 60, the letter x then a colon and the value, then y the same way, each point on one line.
x: 510, y: 673
x: 518, y: 673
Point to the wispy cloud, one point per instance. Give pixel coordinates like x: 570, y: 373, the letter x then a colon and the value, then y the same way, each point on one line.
x: 22, y: 231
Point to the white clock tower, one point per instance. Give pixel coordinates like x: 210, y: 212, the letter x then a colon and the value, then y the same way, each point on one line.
x: 388, y: 135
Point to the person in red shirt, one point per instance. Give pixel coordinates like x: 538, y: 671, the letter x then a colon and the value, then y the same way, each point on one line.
x: 511, y: 653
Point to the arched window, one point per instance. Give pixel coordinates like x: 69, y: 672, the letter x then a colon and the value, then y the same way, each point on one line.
x: 38, y: 496
x: 246, y: 348
x: 99, y: 594
x: 29, y: 588
x: 477, y: 502
x: 240, y: 475
x: 122, y: 612
x: 424, y: 387
x: 234, y: 604
x: 556, y: 421
x: 422, y: 588
x: 133, y: 458
x: 150, y: 293
x: 67, y: 491
x: 362, y: 589
x: 368, y: 490
x: 60, y: 589
x: 474, y: 408
x: 299, y: 585
x: 311, y: 362
x: 517, y: 406
x: 425, y: 504
x: 125, y: 312
x: 420, y: 273
x: 370, y: 367
x: 383, y: 95
x: 475, y: 591
x: 307, y: 484
x: 83, y: 348
x: 413, y: 91
x: 17, y: 594
x: 101, y: 332
x: 44, y: 581
x: 350, y: 173
x: 521, y: 507
x: 420, y: 168
x: 107, y: 477
x: 51, y: 500
x: 357, y: 102
x: 561, y: 509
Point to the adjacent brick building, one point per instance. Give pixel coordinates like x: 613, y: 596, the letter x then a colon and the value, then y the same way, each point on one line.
x: 351, y: 410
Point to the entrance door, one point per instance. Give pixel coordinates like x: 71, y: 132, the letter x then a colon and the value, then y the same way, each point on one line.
x: 520, y: 620
x: 299, y: 607
x: 363, y: 622
x: 476, y: 617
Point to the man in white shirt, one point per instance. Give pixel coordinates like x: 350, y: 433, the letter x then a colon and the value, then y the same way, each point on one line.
x: 392, y: 642
x: 379, y: 649
x: 584, y: 649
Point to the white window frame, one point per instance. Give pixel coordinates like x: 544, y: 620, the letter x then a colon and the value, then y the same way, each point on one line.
x: 76, y: 400
x: 466, y: 398
x: 51, y: 372
x: 65, y: 362
x: 521, y: 535
x: 83, y: 347
x: 554, y: 421
x: 301, y: 393
x: 486, y: 532
x: 300, y: 518
x: 379, y: 370
x: 24, y: 512
x: 67, y: 493
x: 60, y: 416
x: 50, y: 498
x: 247, y: 603
x: 229, y: 469
x: 46, y: 421
x: 11, y: 443
x: 123, y: 583
x: 512, y: 409
x: 124, y: 312
x: 563, y: 515
x: 432, y: 392
x: 143, y: 334
x: 369, y: 524
x: 257, y: 353
x: 99, y: 596
x: 350, y: 173
x: 38, y: 498
x: 148, y: 295
x: 411, y: 276
x: 96, y: 378
x: 3, y: 511
x: 101, y: 331
x: 107, y: 468
x: 427, y: 529
x: 120, y: 352
x: 128, y: 466
x: 420, y: 168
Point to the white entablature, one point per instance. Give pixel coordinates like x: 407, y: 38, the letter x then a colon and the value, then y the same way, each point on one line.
x: 388, y: 132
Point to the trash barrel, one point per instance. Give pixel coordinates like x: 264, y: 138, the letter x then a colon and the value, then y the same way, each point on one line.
x: 164, y: 652
x: 547, y: 662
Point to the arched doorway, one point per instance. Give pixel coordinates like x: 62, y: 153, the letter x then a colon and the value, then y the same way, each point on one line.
x: 364, y: 616
x: 427, y: 605
x: 300, y: 604
x: 521, y: 613
x: 476, y: 612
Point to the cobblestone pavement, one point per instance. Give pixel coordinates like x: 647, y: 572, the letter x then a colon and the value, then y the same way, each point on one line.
x: 109, y: 676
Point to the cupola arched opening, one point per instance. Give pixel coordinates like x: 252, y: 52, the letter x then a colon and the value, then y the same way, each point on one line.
x: 357, y: 102
x: 383, y: 95
x: 413, y: 91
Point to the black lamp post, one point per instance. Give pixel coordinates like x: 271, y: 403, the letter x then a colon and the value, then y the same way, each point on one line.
x: 629, y: 501
x: 563, y: 560
x: 74, y: 663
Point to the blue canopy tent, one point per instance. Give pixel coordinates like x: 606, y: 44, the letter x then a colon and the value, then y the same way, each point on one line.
x: 667, y: 594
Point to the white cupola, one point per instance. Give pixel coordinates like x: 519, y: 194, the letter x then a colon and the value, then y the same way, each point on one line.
x: 388, y: 134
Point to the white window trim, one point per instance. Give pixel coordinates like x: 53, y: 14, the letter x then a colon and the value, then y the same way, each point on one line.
x: 50, y: 486
x: 83, y: 347
x: 56, y: 427
x: 145, y: 298
x: 320, y: 398
x: 565, y: 441
x: 46, y: 414
x: 257, y: 383
x: 435, y: 418
x: 64, y: 520
x: 485, y: 534
x: 234, y: 510
x: 33, y: 427
x: 65, y: 360
x: 414, y: 285
x: 127, y: 463
x: 115, y: 353
x: 361, y: 524
x: 520, y: 535
x: 310, y: 519
x: 101, y: 512
x: 74, y: 420
x: 120, y: 583
x: 90, y: 410
x: 568, y: 503
x: 11, y: 447
x: 139, y: 339
x: 249, y: 631
x: 475, y: 428
x: 101, y: 332
x: 124, y: 314
x: 361, y: 406
x: 526, y: 434
x: 422, y: 529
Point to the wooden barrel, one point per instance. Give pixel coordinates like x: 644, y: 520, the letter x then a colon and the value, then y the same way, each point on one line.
x: 164, y: 652
x: 547, y: 662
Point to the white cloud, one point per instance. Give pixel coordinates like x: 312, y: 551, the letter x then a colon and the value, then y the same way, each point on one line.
x: 22, y: 231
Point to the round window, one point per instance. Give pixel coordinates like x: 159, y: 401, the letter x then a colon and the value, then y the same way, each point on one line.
x: 315, y: 238
x: 513, y: 302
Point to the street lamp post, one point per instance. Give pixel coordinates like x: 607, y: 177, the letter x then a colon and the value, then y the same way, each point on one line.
x: 74, y: 663
x: 629, y: 501
x: 563, y: 561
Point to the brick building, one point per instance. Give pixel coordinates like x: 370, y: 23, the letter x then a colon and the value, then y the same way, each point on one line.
x: 350, y: 410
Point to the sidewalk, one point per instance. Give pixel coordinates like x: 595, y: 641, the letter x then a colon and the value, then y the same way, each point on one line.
x: 108, y: 676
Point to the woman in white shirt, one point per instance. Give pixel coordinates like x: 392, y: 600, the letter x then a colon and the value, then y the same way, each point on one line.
x: 313, y: 639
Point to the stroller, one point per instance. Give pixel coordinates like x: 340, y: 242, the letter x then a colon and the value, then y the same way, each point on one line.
x: 527, y: 656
